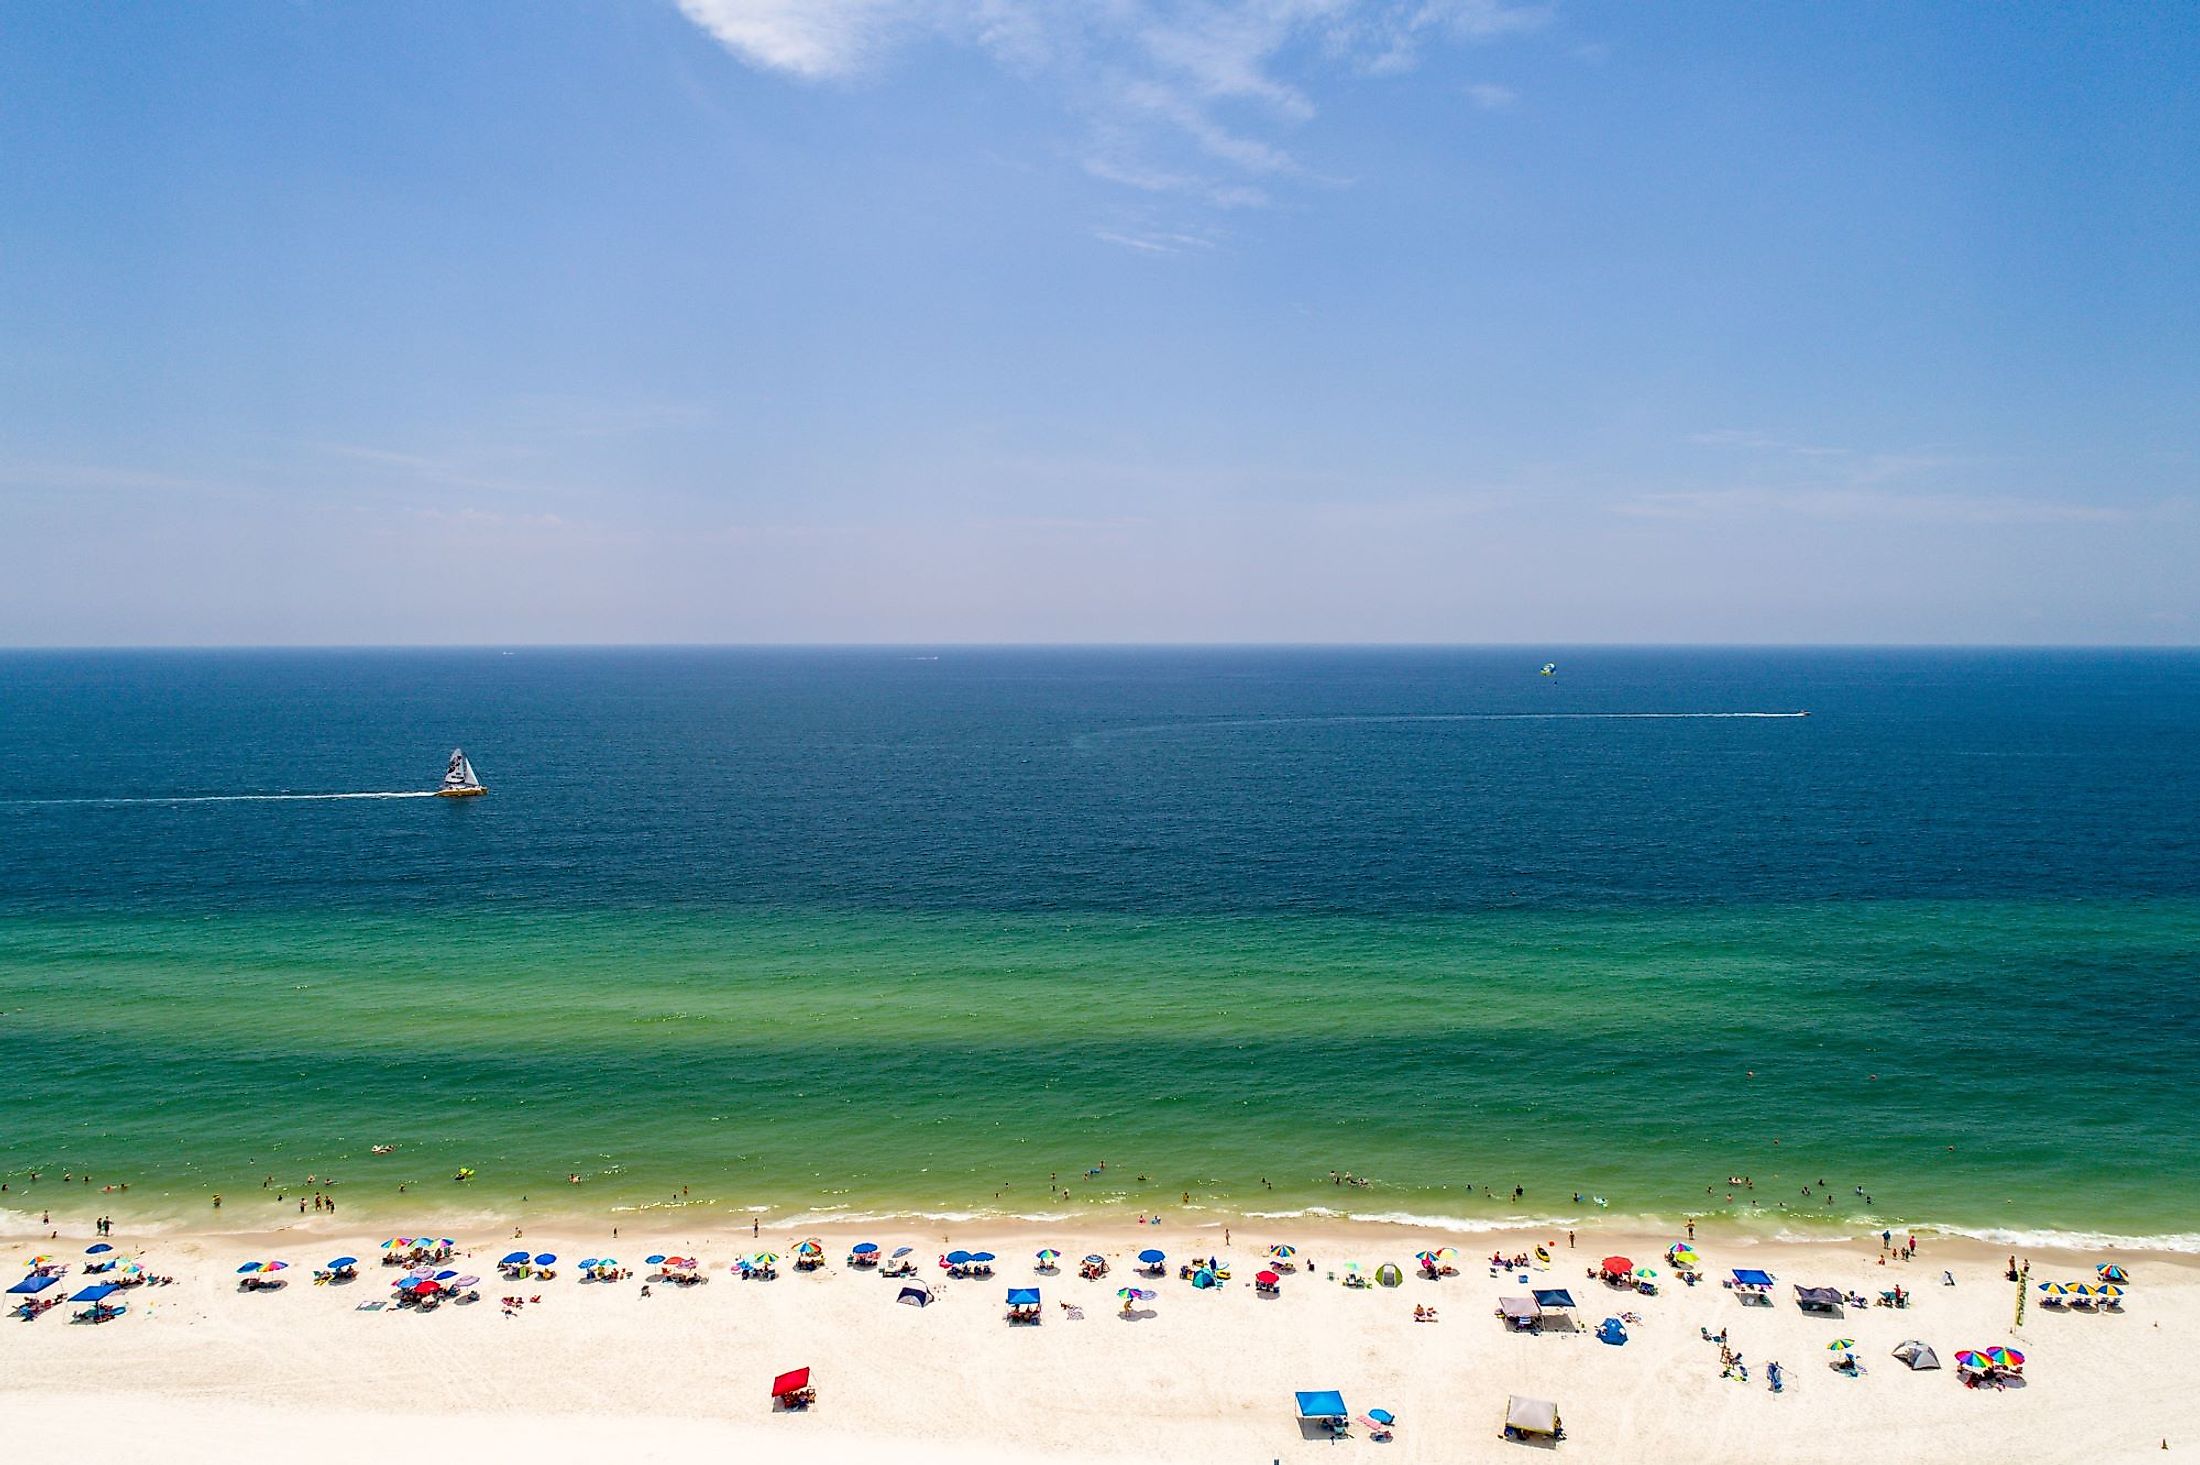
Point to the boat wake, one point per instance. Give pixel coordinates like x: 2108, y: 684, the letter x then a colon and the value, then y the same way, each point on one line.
x: 235, y: 798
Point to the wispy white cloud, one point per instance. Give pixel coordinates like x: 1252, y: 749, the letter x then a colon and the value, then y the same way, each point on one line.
x: 1866, y: 504
x: 1190, y: 97
x: 1490, y: 96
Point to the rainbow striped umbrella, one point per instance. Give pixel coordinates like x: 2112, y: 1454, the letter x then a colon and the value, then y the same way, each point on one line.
x: 766, y: 1259
x: 1840, y: 1345
x: 2005, y: 1358
x: 1280, y: 1252
x: 1134, y: 1294
x: 397, y: 1241
x: 2110, y: 1272
x: 1048, y: 1253
x: 1970, y: 1359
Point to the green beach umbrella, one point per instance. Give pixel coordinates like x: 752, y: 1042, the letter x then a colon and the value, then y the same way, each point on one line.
x: 1841, y: 1345
x: 1646, y: 1271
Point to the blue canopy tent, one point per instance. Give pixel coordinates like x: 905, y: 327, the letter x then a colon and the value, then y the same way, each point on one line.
x: 97, y: 1296
x: 1023, y: 1297
x: 34, y: 1284
x: 1322, y: 1404
x: 1549, y: 1297
x: 1752, y: 1277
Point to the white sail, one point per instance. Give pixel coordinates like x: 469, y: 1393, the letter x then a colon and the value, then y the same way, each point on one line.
x: 461, y: 773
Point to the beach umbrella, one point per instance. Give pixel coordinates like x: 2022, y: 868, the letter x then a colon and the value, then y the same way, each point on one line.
x: 408, y: 1284
x: 983, y: 1256
x: 809, y: 1248
x: 1446, y: 1254
x: 2110, y: 1272
x: 2109, y: 1291
x: 98, y: 1250
x: 605, y: 1264
x: 792, y: 1382
x: 865, y: 1248
x: 2054, y: 1289
x: 443, y: 1276
x: 2083, y: 1289
x: 1425, y: 1258
x: 428, y: 1288
x: 1969, y: 1358
x: 1684, y: 1256
x: 1151, y: 1257
x: 397, y: 1241
x: 1382, y: 1417
x: 1096, y: 1261
x: 513, y: 1259
x: 1646, y: 1271
x: 1617, y: 1266
x: 335, y: 1262
x: 2005, y: 1358
x: 647, y: 1261
x: 958, y: 1258
x: 765, y: 1259
x: 248, y: 1267
x: 1267, y: 1279
x: 1840, y: 1345
x: 1047, y: 1254
x: 902, y: 1251
x: 467, y: 1282
x: 545, y: 1259
x: 1283, y: 1253
x: 1134, y: 1294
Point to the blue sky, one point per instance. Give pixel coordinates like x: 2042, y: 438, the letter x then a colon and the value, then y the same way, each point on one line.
x: 1131, y: 320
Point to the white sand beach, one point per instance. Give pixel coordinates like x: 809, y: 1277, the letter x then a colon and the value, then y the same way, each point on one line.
x: 200, y: 1371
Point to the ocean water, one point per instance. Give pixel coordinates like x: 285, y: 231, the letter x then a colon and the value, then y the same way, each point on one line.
x: 882, y: 931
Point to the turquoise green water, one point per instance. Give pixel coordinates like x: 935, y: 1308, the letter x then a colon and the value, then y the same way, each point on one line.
x: 1955, y: 1060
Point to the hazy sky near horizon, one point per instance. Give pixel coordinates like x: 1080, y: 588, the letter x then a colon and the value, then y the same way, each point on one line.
x: 1124, y: 320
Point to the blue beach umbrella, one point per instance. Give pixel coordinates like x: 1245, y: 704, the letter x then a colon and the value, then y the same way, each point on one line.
x: 957, y: 1258
x: 982, y: 1256
x: 1382, y: 1416
x: 248, y: 1267
x: 647, y: 1261
x: 336, y: 1262
x: 546, y: 1259
x: 407, y: 1284
x: 99, y: 1250
x: 864, y: 1248
x: 1151, y: 1257
x: 590, y: 1265
x: 513, y: 1259
x: 444, y: 1276
x: 902, y: 1251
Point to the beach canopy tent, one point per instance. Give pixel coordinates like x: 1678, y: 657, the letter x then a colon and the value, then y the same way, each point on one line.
x: 791, y: 1382
x: 1322, y: 1404
x: 1752, y: 1277
x: 34, y: 1284
x: 96, y: 1294
x: 1531, y: 1416
x: 1552, y: 1298
x: 1023, y: 1297
x: 1917, y: 1355
x: 915, y: 1297
x: 1818, y: 1299
x: 1519, y: 1312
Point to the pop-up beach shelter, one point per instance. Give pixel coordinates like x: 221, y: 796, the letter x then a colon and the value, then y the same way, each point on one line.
x: 1525, y: 1416
x: 1519, y: 1312
x: 1752, y: 1277
x: 1322, y: 1404
x: 36, y: 1283
x: 1917, y: 1355
x: 790, y: 1386
x: 1023, y: 1297
x: 915, y: 1297
x: 1818, y: 1299
x: 1552, y: 1298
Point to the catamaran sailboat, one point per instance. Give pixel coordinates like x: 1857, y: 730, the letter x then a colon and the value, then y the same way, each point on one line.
x: 458, y: 779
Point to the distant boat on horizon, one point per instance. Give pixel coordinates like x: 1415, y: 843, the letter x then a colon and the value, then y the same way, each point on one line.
x: 459, y: 781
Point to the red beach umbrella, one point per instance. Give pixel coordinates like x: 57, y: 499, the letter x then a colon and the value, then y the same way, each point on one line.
x: 1618, y: 1266
x: 791, y: 1383
x: 1267, y: 1279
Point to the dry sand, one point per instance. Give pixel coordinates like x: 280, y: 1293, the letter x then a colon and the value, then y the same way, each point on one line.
x: 199, y: 1371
